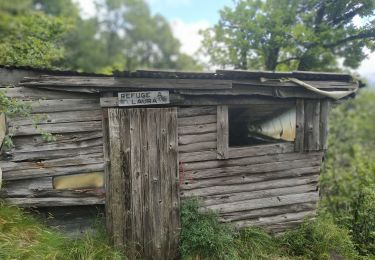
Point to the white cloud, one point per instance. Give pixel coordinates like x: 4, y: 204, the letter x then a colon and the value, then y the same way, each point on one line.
x: 367, y: 68
x: 169, y: 2
x: 87, y: 8
x: 188, y: 34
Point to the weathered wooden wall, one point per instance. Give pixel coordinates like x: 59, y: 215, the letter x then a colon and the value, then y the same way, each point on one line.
x: 267, y: 185
x: 74, y: 119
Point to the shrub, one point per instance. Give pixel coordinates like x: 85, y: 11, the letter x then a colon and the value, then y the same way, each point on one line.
x: 319, y: 239
x: 202, y: 234
x: 363, y: 224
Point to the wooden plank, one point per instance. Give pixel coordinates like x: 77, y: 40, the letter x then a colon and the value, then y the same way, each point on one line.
x: 68, y: 161
x: 107, y: 162
x: 250, y: 160
x: 247, y: 178
x: 53, y: 154
x: 197, y: 156
x: 222, y: 132
x: 53, y: 171
x: 197, y: 129
x: 63, y: 105
x: 324, y: 123
x: 3, y: 128
x: 29, y: 148
x: 243, y: 90
x: 126, y: 83
x: 173, y: 170
x: 195, y: 147
x: 25, y: 188
x: 191, y: 139
x: 238, y: 152
x: 276, y: 201
x: 253, y: 168
x: 300, y: 126
x: 58, y: 128
x: 312, y: 114
x: 189, y: 100
x: 54, y: 202
x: 196, y: 111
x: 196, y: 120
x: 26, y: 93
x: 266, y: 212
x: 37, y: 140
x: 257, y: 150
x: 242, y: 196
x: 118, y: 181
x: 267, y: 221
x: 249, y: 187
x: 58, y: 117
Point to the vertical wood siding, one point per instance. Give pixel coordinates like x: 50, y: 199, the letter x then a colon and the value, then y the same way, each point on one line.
x: 143, y: 181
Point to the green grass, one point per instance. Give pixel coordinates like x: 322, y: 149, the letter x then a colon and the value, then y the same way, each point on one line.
x: 202, y: 235
x: 23, y: 237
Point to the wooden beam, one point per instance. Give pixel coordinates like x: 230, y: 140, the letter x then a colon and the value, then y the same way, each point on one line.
x: 300, y: 125
x: 222, y: 132
x: 324, y: 123
x: 181, y: 100
x: 126, y: 83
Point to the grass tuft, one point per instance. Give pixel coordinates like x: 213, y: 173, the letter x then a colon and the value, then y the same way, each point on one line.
x: 23, y: 237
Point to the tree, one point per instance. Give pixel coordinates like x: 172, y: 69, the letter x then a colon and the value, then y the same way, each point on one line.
x: 28, y: 36
x: 292, y: 34
x: 124, y: 35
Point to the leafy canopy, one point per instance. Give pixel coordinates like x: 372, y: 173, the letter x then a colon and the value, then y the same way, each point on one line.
x: 123, y: 35
x: 292, y: 34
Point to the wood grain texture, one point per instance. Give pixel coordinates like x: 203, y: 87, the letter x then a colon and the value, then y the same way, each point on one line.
x: 126, y: 83
x: 143, y: 182
x: 222, y: 132
x: 312, y: 128
x: 300, y: 126
x: 324, y: 123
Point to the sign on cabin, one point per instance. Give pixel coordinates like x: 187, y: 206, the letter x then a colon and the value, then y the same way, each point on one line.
x: 144, y: 98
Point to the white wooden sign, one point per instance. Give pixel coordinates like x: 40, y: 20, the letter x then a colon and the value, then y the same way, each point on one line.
x: 145, y: 98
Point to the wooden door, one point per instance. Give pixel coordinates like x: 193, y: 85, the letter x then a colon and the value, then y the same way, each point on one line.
x: 142, y: 186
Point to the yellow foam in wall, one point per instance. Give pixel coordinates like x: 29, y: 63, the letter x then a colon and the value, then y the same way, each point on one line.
x: 79, y: 181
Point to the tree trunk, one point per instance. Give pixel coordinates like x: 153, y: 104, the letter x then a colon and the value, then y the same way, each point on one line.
x: 271, y: 58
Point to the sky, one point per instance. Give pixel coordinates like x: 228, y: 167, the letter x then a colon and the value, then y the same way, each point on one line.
x: 187, y: 17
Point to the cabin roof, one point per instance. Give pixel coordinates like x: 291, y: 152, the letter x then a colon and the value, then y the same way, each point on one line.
x: 173, y: 74
x: 296, y: 84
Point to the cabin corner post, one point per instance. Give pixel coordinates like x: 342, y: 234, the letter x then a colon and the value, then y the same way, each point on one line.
x: 107, y: 162
x: 300, y: 126
x: 222, y: 132
x: 325, y: 106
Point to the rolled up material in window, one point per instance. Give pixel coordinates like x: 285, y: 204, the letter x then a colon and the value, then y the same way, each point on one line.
x: 281, y: 127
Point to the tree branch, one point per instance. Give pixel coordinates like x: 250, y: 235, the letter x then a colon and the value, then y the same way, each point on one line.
x: 287, y: 60
x: 363, y: 35
x: 346, y: 16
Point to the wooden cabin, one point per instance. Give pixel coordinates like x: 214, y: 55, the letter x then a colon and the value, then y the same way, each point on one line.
x: 249, y: 145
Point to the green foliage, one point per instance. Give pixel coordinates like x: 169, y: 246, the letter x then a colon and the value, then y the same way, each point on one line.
x: 203, y: 235
x: 23, y: 237
x: 349, y: 173
x: 30, y: 38
x: 319, y: 239
x: 363, y: 225
x: 255, y: 243
x: 291, y: 34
